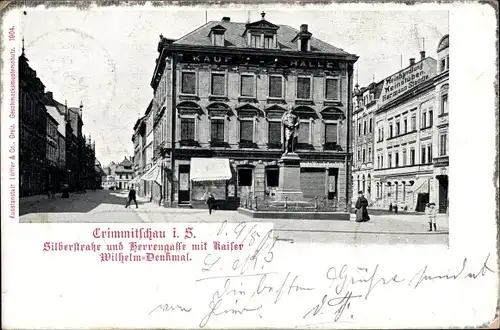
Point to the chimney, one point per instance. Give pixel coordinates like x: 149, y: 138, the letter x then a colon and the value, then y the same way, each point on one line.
x: 412, y: 61
x: 303, y: 28
x: 226, y: 19
x: 422, y: 54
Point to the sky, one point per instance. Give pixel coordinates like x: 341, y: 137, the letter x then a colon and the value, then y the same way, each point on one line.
x: 105, y: 58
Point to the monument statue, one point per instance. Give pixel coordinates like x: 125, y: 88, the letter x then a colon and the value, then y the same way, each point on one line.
x: 290, y: 124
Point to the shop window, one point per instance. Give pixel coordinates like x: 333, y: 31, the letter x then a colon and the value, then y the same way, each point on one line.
x: 276, y: 86
x: 218, y: 84
x: 332, y: 89
x: 246, y: 131
x: 331, y: 133
x: 303, y: 87
x: 188, y: 83
x: 247, y: 85
x: 272, y: 177
x: 187, y: 129
x: 245, y: 177
x: 217, y: 130
x: 274, y: 132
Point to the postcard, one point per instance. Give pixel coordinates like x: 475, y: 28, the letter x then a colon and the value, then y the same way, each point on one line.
x: 249, y: 166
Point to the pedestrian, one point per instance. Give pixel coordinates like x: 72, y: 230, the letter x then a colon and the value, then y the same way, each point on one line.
x: 395, y: 208
x: 361, y: 208
x: 431, y: 212
x: 390, y: 207
x: 131, y: 197
x: 210, y: 202
x: 65, y: 192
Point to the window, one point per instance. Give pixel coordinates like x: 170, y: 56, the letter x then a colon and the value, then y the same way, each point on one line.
x: 187, y: 129
x: 268, y: 42
x: 390, y: 160
x: 397, y: 159
x: 218, y: 39
x: 272, y: 177
x: 422, y: 156
x: 246, y: 131
x: 218, y: 84
x: 405, y: 126
x: 304, y: 133
x: 274, y: 132
x: 331, y: 133
x: 382, y: 161
x: 332, y: 89
x: 429, y: 154
x: 414, y: 123
x: 390, y: 131
x: 442, y: 144
x: 412, y: 156
x: 444, y: 104
x: 245, y: 177
x: 398, y: 128
x: 443, y: 64
x: 369, y: 154
x: 404, y: 160
x: 188, y: 83
x: 217, y: 130
x: 423, y: 120
x: 359, y: 155
x: 431, y: 119
x: 364, y: 156
x: 247, y: 85
x: 276, y: 86
x: 303, y: 45
x: 364, y: 126
x: 370, y: 125
x: 303, y: 87
x: 255, y: 41
x: 359, y: 128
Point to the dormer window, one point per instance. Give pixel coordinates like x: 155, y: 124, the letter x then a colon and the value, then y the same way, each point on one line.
x: 217, y: 35
x: 303, y: 39
x: 261, y: 34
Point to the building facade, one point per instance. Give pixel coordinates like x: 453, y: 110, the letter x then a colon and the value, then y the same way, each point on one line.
x: 124, y: 173
x: 363, y: 127
x: 33, y: 131
x: 410, y: 127
x: 220, y: 92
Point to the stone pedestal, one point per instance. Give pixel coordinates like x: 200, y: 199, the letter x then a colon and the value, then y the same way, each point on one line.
x: 289, y: 180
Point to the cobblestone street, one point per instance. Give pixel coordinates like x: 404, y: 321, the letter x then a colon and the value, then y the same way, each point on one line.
x: 109, y: 207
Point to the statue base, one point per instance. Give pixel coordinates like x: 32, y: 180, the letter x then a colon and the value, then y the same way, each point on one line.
x: 289, y: 178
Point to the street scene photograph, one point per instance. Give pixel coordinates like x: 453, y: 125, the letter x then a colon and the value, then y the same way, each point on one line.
x: 332, y: 125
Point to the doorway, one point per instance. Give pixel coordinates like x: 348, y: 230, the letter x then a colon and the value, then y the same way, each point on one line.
x: 443, y: 193
x: 184, y: 186
x: 422, y: 200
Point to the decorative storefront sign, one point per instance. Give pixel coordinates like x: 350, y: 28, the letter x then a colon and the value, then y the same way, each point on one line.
x: 407, y: 79
x: 322, y: 164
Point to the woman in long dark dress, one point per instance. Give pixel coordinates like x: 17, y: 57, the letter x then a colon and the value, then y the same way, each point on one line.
x: 361, y: 208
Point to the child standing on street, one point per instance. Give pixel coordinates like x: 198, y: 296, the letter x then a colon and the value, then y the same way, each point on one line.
x: 431, y: 212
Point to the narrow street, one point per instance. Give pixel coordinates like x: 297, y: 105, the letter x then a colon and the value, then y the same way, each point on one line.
x: 109, y: 207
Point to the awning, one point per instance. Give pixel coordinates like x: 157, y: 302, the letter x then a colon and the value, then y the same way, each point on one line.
x: 153, y: 174
x: 135, y: 180
x: 210, y: 169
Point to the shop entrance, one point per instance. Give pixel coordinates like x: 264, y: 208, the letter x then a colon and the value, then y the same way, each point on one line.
x: 184, y: 191
x: 422, y: 200
x: 443, y: 193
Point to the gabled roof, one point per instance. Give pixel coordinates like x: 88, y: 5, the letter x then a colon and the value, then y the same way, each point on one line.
x: 235, y: 38
x: 125, y: 162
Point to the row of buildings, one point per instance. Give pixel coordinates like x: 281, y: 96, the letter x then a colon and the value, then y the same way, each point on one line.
x: 400, y: 135
x: 117, y: 175
x: 219, y: 93
x: 53, y: 151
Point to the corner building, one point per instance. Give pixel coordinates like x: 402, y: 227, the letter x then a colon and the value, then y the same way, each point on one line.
x: 220, y: 92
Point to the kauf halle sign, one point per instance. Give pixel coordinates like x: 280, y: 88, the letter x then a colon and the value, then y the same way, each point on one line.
x: 407, y: 79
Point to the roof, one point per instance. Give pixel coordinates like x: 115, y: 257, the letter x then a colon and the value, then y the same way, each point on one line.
x: 444, y: 43
x: 235, y: 38
x: 125, y: 162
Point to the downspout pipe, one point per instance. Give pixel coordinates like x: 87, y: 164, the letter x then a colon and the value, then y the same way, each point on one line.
x: 348, y: 144
x: 174, y: 124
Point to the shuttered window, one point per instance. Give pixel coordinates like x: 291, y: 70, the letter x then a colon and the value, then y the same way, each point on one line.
x: 275, y: 86
x: 303, y: 88
x: 217, y: 130
x: 332, y: 89
x: 188, y: 83
x: 218, y: 84
x: 304, y: 133
x: 187, y: 129
x: 247, y: 85
x: 274, y: 132
x: 246, y: 131
x: 331, y: 133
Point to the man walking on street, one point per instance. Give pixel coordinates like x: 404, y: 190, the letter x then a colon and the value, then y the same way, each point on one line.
x: 131, y: 197
x: 210, y: 202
